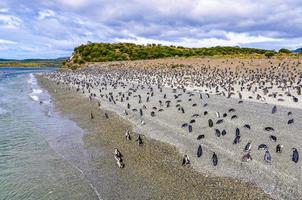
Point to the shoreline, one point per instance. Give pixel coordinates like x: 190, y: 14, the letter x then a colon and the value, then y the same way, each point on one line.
x: 156, y: 165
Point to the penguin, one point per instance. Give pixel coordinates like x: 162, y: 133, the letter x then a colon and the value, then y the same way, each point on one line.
x: 267, y: 157
x: 139, y: 140
x: 279, y: 148
x: 262, y: 146
x: 217, y: 114
x: 248, y: 146
x: 295, y: 156
x: 91, y: 115
x: 273, y: 138
x: 269, y: 129
x: 200, y: 137
x: 210, y: 122
x: 214, y: 159
x: 127, y: 135
x: 117, y: 153
x: 236, y: 140
x: 217, y: 132
x: 186, y: 160
x: 234, y: 117
x: 190, y: 128
x: 274, y: 110
x: 291, y: 121
x: 247, y: 126
x: 199, y: 151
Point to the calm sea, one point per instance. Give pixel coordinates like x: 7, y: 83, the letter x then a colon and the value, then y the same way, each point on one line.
x: 35, y: 143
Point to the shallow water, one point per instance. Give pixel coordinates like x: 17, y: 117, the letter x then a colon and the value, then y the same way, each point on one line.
x: 37, y: 145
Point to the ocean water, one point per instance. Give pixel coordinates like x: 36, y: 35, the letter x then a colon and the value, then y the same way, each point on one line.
x: 35, y: 143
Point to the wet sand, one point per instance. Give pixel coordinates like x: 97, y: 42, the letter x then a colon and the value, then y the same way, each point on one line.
x: 152, y: 171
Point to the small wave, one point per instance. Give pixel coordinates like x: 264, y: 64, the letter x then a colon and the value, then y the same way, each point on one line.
x: 34, y: 97
x: 3, y: 111
x: 37, y: 91
x: 32, y: 80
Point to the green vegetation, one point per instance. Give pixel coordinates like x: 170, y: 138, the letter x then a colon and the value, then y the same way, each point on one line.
x: 270, y: 54
x: 33, y: 62
x: 286, y: 51
x: 102, y: 52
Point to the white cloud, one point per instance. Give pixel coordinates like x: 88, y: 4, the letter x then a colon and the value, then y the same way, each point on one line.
x: 6, y: 42
x: 46, y: 14
x: 4, y: 10
x: 9, y: 21
x: 75, y: 3
x: 231, y: 39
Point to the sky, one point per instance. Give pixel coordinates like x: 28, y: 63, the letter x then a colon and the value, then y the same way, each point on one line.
x: 52, y: 28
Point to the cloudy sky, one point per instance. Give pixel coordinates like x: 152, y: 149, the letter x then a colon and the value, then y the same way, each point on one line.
x: 52, y: 28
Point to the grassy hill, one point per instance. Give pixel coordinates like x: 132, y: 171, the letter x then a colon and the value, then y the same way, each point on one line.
x: 103, y: 52
x: 32, y: 62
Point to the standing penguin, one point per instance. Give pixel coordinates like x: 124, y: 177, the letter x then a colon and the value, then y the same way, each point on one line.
x: 295, y: 156
x: 274, y: 110
x: 199, y: 151
x: 267, y: 157
x: 139, y: 140
x: 248, y: 146
x: 214, y: 159
x: 210, y: 122
x: 185, y: 160
x: 91, y: 115
x: 127, y: 135
x: 279, y: 148
x: 190, y: 128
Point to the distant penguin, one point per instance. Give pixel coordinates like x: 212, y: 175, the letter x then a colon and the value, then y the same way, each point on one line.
x: 262, y: 146
x: 279, y: 148
x: 190, y: 128
x: 217, y: 132
x: 295, y: 156
x: 199, y: 151
x: 291, y: 121
x: 185, y: 160
x: 210, y: 122
x: 248, y: 147
x: 139, y: 140
x: 237, y: 132
x: 127, y: 135
x: 91, y: 115
x: 274, y: 110
x: 247, y: 126
x: 214, y: 159
x: 217, y: 114
x: 273, y: 138
x: 267, y: 157
x: 200, y: 137
x: 236, y: 140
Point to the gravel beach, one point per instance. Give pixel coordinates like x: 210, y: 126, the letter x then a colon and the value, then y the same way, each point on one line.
x: 152, y: 171
x: 173, y: 101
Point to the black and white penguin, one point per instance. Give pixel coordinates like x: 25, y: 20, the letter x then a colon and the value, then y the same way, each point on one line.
x: 185, y: 160
x: 214, y: 159
x: 199, y: 151
x: 295, y: 156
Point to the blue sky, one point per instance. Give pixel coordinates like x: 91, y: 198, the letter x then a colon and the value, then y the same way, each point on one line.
x: 52, y: 28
